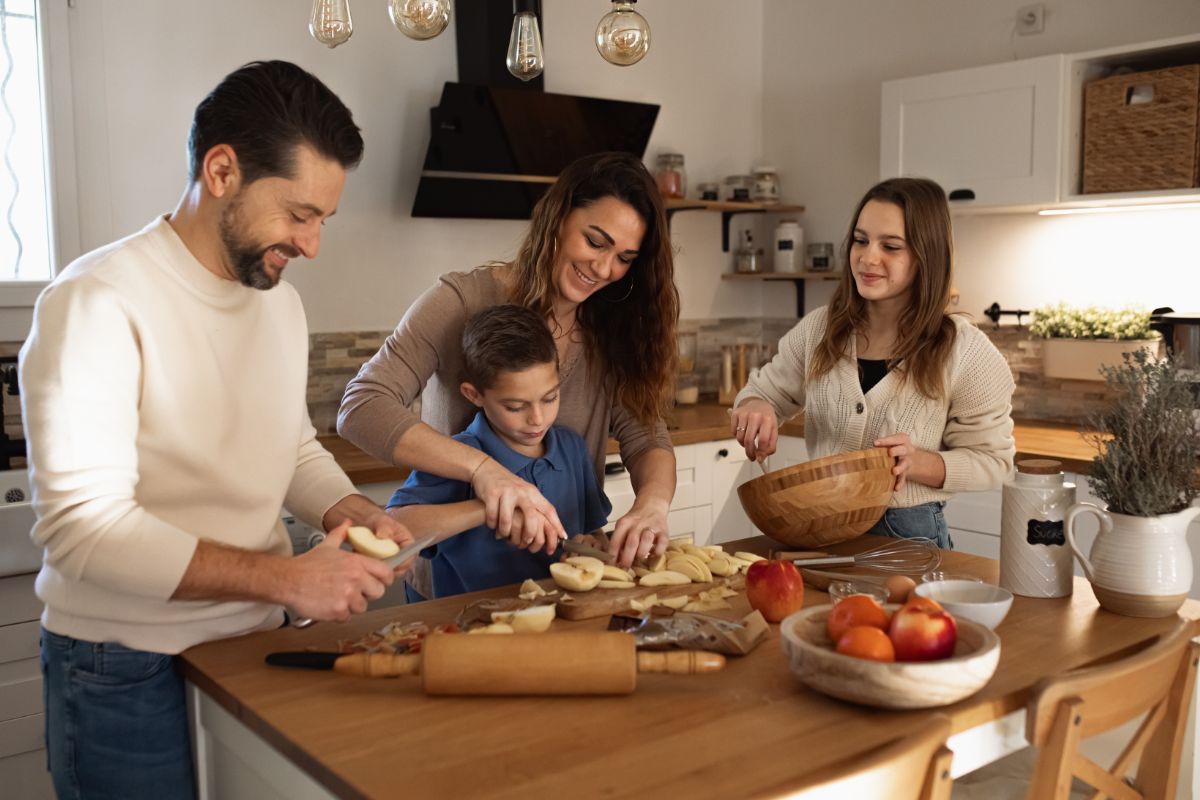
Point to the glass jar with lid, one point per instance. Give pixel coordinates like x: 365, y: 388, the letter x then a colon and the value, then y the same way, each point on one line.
x: 737, y: 188
x: 766, y: 185
x: 670, y: 176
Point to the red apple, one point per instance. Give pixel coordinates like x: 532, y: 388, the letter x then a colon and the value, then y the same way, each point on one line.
x: 775, y: 588
x: 922, y: 631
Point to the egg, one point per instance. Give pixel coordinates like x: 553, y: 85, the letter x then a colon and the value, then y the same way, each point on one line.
x: 898, y: 588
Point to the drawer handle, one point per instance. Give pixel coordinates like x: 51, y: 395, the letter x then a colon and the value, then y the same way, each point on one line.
x: 615, y: 468
x: 723, y: 453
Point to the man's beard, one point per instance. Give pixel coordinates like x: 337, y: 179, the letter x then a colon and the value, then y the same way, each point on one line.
x: 246, y: 257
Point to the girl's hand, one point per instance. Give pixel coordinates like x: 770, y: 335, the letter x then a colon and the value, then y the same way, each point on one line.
x: 900, y: 447
x: 755, y: 426
x: 640, y: 533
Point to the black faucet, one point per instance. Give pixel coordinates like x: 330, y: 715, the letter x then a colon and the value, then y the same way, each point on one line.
x: 9, y: 447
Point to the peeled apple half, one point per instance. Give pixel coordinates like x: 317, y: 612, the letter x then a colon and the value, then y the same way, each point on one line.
x: 535, y: 619
x: 578, y: 573
x: 364, y: 541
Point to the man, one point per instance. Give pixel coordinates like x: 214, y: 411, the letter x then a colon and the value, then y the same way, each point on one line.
x: 163, y: 389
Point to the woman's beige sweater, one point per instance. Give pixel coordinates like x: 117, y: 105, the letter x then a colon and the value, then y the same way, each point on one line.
x: 970, y: 427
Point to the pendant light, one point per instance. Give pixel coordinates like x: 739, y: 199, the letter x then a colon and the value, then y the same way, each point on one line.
x: 525, y: 57
x: 623, y: 35
x: 330, y: 23
x: 420, y: 19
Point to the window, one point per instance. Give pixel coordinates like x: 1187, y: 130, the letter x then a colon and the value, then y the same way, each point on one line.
x: 25, y: 235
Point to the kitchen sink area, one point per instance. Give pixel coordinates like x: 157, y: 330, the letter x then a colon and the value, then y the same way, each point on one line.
x: 18, y: 555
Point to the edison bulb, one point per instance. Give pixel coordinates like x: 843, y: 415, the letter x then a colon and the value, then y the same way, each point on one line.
x: 623, y: 35
x: 525, y: 57
x: 420, y: 19
x: 330, y: 23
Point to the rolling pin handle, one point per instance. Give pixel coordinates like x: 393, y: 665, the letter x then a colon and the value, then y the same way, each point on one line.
x: 379, y: 665
x: 680, y: 662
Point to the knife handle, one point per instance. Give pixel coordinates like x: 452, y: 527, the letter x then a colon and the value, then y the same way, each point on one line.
x: 379, y: 665
x: 679, y: 662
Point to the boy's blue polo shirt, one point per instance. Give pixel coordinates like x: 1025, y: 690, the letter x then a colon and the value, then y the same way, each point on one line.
x: 476, y: 559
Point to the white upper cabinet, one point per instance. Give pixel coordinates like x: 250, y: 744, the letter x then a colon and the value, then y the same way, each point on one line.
x: 991, y: 136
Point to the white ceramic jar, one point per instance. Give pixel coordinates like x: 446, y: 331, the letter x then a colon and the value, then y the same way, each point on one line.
x: 789, y: 243
x: 1035, y: 560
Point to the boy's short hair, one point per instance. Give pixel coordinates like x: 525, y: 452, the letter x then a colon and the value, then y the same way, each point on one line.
x: 505, y: 338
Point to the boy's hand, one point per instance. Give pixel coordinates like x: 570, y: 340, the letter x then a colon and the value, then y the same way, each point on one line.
x: 504, y: 495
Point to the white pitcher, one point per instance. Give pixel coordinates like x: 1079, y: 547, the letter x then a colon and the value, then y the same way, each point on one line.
x: 1140, y: 566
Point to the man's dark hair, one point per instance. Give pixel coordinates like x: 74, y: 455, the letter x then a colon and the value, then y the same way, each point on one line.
x: 505, y: 338
x: 263, y: 111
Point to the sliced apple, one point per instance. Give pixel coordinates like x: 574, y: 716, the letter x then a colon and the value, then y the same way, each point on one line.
x: 721, y: 566
x: 364, y: 541
x: 675, y: 602
x: 495, y: 627
x: 612, y: 573
x: 751, y: 557
x: 657, y: 563
x: 578, y: 573
x: 607, y: 584
x: 535, y: 619
x: 530, y: 590
x: 665, y: 578
x: 698, y: 552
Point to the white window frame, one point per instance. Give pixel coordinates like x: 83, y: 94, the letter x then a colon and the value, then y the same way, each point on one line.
x: 61, y: 191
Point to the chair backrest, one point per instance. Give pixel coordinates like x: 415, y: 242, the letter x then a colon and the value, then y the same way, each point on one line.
x: 1156, y: 681
x: 915, y: 766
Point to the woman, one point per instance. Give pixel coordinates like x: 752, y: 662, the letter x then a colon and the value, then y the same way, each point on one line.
x: 597, y: 265
x: 884, y: 365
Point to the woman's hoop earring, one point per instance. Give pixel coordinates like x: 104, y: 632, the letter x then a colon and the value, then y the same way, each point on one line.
x: 626, y: 295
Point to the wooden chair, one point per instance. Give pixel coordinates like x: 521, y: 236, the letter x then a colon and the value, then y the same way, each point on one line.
x: 1157, y: 681
x: 914, y: 767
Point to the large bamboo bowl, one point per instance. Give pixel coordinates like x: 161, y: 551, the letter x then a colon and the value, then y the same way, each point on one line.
x: 914, y: 684
x: 821, y: 502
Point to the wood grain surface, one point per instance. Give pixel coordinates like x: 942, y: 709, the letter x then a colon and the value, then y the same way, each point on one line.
x: 709, y: 422
x: 736, y: 733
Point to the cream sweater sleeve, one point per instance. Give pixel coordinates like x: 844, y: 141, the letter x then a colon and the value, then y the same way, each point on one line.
x: 979, y: 424
x: 80, y: 376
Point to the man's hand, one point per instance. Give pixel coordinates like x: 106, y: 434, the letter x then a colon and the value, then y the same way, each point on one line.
x: 328, y: 583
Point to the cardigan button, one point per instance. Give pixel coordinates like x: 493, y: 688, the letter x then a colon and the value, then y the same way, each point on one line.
x: 859, y: 408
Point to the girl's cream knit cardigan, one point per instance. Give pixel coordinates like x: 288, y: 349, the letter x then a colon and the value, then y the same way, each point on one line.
x: 970, y: 427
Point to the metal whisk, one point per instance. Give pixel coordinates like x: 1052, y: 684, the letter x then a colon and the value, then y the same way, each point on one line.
x: 908, y: 556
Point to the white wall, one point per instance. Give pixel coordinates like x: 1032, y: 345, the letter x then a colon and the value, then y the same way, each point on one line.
x: 140, y: 68
x: 823, y: 66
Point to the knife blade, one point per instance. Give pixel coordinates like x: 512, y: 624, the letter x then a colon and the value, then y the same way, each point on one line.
x: 581, y: 549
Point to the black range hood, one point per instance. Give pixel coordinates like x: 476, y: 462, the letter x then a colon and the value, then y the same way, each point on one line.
x: 497, y: 144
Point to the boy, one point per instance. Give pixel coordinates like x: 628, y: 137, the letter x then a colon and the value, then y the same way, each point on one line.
x: 511, y: 375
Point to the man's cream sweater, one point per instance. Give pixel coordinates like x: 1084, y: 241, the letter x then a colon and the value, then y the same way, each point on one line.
x: 163, y: 405
x: 970, y: 427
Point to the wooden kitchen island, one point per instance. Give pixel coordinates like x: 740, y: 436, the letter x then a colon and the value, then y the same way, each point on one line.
x: 752, y: 730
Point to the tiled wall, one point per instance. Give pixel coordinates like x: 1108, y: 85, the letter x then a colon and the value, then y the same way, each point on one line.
x: 333, y: 359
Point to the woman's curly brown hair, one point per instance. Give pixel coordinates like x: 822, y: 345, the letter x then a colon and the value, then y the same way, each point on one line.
x: 628, y: 327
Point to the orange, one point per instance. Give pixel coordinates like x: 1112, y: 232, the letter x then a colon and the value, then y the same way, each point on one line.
x: 855, y: 610
x: 866, y: 642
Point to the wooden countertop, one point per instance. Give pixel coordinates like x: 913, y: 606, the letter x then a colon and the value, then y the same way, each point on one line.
x: 709, y: 422
x: 747, y: 731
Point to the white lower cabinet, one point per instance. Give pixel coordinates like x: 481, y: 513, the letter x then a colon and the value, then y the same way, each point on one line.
x: 22, y: 740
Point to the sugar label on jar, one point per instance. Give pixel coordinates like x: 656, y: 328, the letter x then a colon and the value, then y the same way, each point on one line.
x: 1044, y: 531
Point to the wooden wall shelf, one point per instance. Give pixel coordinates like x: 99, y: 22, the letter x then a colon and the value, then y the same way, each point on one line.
x: 780, y: 276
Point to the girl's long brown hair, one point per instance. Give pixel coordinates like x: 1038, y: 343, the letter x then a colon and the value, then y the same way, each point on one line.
x: 926, y: 332
x: 628, y: 327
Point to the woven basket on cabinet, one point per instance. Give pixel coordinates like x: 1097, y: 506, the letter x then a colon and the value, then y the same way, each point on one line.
x: 1142, y: 146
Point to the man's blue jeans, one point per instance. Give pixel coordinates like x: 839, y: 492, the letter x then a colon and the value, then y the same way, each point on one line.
x: 116, y: 722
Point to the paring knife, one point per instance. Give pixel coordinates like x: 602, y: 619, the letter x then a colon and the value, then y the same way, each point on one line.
x: 406, y: 552
x: 581, y: 549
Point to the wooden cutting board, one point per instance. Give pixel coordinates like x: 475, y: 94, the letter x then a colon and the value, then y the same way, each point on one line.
x: 604, y: 602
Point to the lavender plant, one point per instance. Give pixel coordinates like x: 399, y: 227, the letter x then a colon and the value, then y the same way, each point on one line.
x: 1146, y: 439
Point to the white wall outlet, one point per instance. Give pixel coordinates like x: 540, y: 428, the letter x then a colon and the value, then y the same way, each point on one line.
x: 1031, y: 19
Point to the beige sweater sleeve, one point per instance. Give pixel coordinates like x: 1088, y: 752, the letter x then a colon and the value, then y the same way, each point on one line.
x: 781, y: 381
x: 375, y: 410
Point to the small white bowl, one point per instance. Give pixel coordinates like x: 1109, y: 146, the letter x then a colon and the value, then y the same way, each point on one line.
x: 981, y: 602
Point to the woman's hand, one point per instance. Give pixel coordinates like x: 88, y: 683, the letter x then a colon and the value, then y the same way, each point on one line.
x: 640, y: 533
x: 755, y: 427
x: 515, y: 509
x: 913, y: 463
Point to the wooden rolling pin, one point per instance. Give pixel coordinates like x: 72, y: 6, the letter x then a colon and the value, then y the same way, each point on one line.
x: 518, y: 664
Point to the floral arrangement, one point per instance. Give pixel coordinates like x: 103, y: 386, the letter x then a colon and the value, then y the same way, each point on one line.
x: 1146, y: 439
x: 1061, y: 321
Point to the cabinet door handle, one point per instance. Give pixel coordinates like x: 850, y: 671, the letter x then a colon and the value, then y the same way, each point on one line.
x: 615, y: 468
x: 723, y: 453
x: 961, y: 194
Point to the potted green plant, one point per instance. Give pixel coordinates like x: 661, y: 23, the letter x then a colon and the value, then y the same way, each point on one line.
x: 1079, y: 342
x: 1146, y: 473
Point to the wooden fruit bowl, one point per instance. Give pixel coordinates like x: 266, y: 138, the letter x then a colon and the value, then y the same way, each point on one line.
x: 821, y: 502
x: 922, y: 684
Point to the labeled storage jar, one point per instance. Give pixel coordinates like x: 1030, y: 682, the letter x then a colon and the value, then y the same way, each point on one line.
x: 789, y: 242
x: 1035, y: 560
x: 766, y: 185
x: 737, y: 188
x: 670, y: 176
